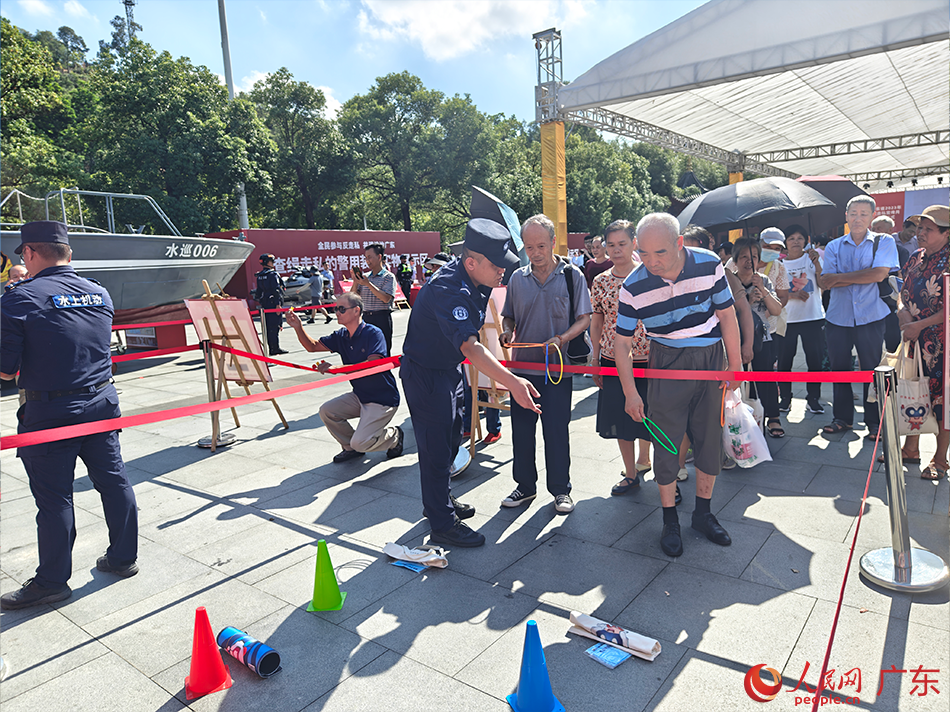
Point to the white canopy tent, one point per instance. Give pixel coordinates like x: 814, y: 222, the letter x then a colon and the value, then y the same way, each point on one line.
x: 810, y: 87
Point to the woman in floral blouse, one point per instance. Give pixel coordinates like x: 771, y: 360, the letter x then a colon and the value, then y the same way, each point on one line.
x: 921, y: 320
x: 613, y: 423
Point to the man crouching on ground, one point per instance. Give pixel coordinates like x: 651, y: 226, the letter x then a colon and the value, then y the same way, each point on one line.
x: 374, y: 399
x: 681, y: 295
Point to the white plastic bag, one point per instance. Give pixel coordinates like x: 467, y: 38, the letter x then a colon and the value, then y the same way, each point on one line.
x: 758, y: 411
x: 742, y: 437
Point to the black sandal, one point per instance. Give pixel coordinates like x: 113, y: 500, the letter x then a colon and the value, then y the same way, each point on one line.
x: 775, y: 431
x: 625, y: 485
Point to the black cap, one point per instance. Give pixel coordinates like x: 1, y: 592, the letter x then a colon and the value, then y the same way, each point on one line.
x: 42, y: 231
x: 267, y: 257
x: 491, y: 239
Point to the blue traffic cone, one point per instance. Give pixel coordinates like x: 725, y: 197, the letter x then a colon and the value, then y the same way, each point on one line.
x: 534, y: 686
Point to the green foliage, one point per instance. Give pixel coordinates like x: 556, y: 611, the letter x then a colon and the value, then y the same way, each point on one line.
x: 314, y: 164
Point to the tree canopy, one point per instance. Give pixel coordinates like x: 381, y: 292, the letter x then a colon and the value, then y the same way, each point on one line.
x: 399, y: 156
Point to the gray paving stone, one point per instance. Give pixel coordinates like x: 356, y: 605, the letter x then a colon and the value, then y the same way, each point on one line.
x: 157, y: 632
x: 578, y: 682
x: 597, y: 519
x: 719, y: 615
x: 315, y: 657
x: 321, y: 502
x: 779, y: 509
x: 581, y: 576
x: 778, y: 474
x: 386, y: 518
x: 41, y: 645
x: 260, y: 487
x: 931, y: 609
x: 441, y: 619
x: 708, y: 683
x: 261, y: 550
x: 815, y: 567
x: 106, y: 684
x: 698, y: 551
x: 398, y: 684
x: 853, y: 451
x: 873, y: 642
x: 193, y: 529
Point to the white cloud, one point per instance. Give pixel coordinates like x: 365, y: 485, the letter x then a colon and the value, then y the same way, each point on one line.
x: 74, y: 8
x: 333, y: 104
x: 263, y: 16
x: 248, y: 82
x: 36, y: 7
x: 453, y: 28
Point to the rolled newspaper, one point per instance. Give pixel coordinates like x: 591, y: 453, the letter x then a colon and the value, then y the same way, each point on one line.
x: 634, y: 643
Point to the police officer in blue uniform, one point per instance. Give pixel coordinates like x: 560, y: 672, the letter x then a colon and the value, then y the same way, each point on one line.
x: 443, y: 331
x: 270, y: 295
x: 56, y: 332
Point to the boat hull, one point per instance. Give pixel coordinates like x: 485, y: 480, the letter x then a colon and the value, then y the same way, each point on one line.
x: 143, y: 271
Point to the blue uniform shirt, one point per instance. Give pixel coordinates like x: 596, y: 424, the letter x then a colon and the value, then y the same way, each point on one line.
x: 270, y: 288
x: 56, y: 329
x: 858, y: 304
x: 448, y: 310
x: 367, y: 340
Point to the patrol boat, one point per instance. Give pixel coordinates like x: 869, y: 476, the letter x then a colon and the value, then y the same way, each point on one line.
x: 146, y: 275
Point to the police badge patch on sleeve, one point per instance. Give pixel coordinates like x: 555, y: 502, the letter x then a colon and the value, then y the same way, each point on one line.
x: 460, y: 313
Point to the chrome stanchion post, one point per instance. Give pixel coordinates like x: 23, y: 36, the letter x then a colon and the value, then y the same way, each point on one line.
x: 900, y: 567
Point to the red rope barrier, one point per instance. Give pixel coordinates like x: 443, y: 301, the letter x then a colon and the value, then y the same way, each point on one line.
x: 755, y: 376
x: 101, y: 426
x: 155, y: 352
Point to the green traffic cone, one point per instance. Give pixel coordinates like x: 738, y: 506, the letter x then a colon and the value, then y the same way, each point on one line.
x: 326, y: 592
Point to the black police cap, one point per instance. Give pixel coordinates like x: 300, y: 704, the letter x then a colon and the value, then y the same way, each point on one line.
x: 491, y: 239
x: 267, y: 257
x: 42, y: 231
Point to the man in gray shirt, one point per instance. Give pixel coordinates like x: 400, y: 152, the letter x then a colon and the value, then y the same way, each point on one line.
x: 538, y: 310
x: 316, y: 295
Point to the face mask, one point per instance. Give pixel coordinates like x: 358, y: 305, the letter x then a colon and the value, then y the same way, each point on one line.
x: 769, y: 255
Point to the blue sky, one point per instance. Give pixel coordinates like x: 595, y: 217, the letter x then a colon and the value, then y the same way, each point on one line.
x: 478, y: 47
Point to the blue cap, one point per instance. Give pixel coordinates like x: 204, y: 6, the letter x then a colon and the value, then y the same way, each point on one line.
x: 486, y: 237
x: 42, y: 231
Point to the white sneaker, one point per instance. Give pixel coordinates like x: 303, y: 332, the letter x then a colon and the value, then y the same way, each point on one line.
x: 682, y: 475
x: 564, y: 504
x: 517, y: 498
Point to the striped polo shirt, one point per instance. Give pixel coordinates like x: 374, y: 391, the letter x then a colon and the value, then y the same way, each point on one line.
x: 384, y: 281
x: 680, y: 313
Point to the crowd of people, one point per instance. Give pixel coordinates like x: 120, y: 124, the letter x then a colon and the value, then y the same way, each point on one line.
x: 649, y: 296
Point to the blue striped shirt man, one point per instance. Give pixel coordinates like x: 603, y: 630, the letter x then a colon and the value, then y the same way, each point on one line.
x: 677, y: 313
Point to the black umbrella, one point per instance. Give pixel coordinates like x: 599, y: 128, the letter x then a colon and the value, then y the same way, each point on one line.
x: 839, y: 191
x: 486, y: 205
x: 763, y: 202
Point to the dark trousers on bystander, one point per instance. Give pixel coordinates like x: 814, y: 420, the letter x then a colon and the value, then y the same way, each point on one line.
x: 868, y: 340
x: 813, y: 344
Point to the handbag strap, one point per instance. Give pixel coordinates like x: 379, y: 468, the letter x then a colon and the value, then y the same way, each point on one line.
x: 568, y: 270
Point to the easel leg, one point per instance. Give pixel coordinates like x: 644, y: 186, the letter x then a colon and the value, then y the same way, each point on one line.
x: 260, y: 374
x: 209, y: 374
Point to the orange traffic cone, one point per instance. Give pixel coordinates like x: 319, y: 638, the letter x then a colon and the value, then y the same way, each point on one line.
x: 208, y: 671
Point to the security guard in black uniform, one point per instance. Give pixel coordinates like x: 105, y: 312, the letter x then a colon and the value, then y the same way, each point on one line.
x: 443, y: 331
x: 56, y: 333
x: 270, y: 295
x: 404, y: 276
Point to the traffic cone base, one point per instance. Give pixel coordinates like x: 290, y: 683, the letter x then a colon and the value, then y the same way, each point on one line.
x: 191, y: 695
x: 327, y: 595
x: 311, y: 609
x: 534, y: 686
x: 208, y: 672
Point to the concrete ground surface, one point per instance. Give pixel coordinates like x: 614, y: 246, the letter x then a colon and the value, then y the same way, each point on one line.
x: 236, y: 531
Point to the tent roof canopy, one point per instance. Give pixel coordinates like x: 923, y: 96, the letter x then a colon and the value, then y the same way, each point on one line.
x: 809, y: 86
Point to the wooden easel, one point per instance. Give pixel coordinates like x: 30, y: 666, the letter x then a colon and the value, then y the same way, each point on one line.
x: 497, y: 396
x: 223, y: 339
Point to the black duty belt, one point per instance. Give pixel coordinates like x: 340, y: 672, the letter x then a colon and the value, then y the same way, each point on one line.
x: 50, y: 395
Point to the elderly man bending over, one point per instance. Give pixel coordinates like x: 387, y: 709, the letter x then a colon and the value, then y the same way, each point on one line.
x: 374, y: 398
x: 682, y: 297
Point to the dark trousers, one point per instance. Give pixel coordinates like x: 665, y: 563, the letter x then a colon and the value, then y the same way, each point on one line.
x: 384, y: 320
x: 51, y: 468
x: 272, y: 322
x: 767, y: 392
x: 555, y: 404
x: 435, y: 399
x: 868, y: 340
x: 892, y: 332
x: 813, y: 344
x: 406, y: 287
